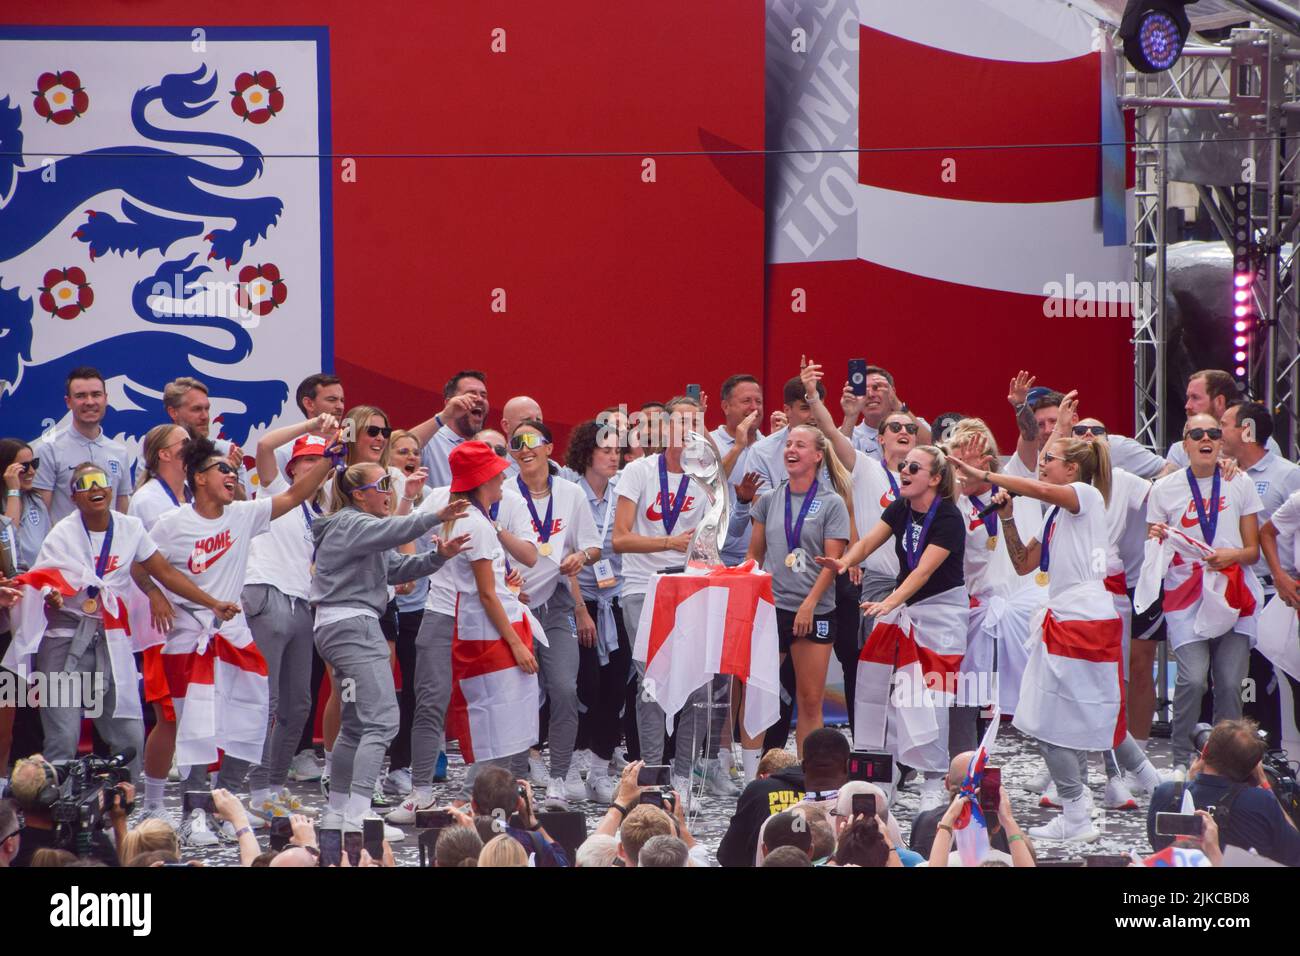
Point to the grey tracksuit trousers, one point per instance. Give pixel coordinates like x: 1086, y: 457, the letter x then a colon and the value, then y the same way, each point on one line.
x: 558, y: 672
x: 432, y: 695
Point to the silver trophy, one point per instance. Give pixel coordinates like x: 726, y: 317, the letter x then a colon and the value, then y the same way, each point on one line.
x: 700, y: 460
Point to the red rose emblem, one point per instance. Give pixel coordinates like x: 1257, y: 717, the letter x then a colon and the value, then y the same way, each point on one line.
x: 261, y: 289
x: 66, y: 293
x: 60, y: 97
x: 256, y: 97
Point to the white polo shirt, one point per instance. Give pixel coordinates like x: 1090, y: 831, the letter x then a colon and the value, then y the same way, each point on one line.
x: 433, y: 456
x: 1276, y: 479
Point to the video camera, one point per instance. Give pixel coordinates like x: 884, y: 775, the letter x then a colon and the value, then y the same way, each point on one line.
x: 88, y: 789
x: 1277, y: 770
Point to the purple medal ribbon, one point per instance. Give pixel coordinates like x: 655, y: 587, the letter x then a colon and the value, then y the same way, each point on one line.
x: 189, y: 496
x: 101, y: 563
x: 792, y: 534
x: 893, y: 482
x: 491, y: 515
x: 1209, y: 524
x: 913, y: 551
x: 990, y: 520
x: 1044, y: 559
x: 543, y: 536
x: 670, y: 508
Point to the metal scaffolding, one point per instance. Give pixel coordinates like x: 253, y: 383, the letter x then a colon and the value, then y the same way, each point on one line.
x: 1252, y: 82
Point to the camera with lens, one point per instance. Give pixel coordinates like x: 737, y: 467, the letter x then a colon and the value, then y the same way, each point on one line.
x: 87, y: 790
x: 1277, y: 771
x: 662, y: 797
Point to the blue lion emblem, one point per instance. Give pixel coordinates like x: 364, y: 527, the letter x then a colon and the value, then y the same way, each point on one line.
x: 31, y: 207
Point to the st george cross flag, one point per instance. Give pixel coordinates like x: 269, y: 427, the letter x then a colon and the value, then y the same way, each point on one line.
x: 1199, y: 603
x: 971, y: 829
x: 696, y: 626
x: 493, y: 710
x: 218, y: 682
x: 907, y: 676
x: 1072, y: 694
x: 1178, y: 856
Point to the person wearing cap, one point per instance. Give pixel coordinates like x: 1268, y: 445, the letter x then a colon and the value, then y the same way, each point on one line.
x: 494, y: 670
x: 355, y: 562
x: 276, y: 589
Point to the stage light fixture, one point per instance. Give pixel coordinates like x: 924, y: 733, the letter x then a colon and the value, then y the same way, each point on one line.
x: 1245, y: 269
x: 1154, y: 32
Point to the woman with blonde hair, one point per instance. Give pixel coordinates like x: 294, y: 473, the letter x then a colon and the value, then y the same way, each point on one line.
x: 920, y: 627
x: 816, y: 522
x: 502, y: 850
x: 1071, y: 698
x: 147, y: 836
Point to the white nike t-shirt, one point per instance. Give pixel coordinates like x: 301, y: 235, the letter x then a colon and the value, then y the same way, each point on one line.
x: 1171, y: 503
x: 640, y: 484
x: 213, y: 553
x: 282, y: 558
x: 131, y: 543
x: 572, y: 529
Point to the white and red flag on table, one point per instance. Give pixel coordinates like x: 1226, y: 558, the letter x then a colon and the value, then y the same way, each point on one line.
x: 970, y: 829
x: 1199, y: 602
x: 493, y: 709
x: 218, y: 681
x: 1072, y: 692
x: 907, y: 672
x: 696, y: 626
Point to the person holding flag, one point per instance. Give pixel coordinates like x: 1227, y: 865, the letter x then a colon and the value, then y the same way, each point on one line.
x: 1072, y: 694
x: 90, y: 572
x: 1220, y: 517
x: 908, y: 667
x: 567, y: 542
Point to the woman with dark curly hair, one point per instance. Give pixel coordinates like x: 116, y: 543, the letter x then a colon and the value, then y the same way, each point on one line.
x: 604, y: 651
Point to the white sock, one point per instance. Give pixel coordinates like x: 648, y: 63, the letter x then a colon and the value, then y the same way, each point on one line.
x: 1148, y: 777
x: 423, y: 796
x: 358, y: 806
x: 259, y: 797
x: 153, y: 791
x: 597, y: 768
x: 749, y: 759
x: 329, y: 761
x: 1141, y: 743
x: 338, y: 801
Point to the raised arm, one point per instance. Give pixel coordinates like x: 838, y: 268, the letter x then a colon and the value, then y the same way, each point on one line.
x: 1063, y: 495
x: 267, y: 467
x: 307, y: 485
x: 162, y: 572
x: 810, y: 375
x: 861, y: 549
x: 1027, y: 443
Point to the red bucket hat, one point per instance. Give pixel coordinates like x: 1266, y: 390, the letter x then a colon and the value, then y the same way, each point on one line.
x: 473, y: 463
x: 308, y: 445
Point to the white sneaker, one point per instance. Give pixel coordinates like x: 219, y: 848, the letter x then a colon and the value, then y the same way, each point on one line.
x: 156, y: 813
x: 392, y: 834
x: 1039, y: 782
x: 330, y: 820
x: 619, y: 760
x: 931, y: 798
x: 197, y: 831
x: 1133, y: 784
x: 683, y: 787
x: 574, y: 788
x: 716, y: 781
x: 398, y: 782
x: 555, y: 795
x: 582, y: 760
x: 1177, y: 775
x: 601, y: 788
x: 266, y: 810
x: 291, y: 803
x: 1074, y: 824
x: 174, y: 774
x: 1050, y: 797
x: 405, y: 812
x: 1118, y: 796
x: 727, y: 760
x: 537, y: 770
x: 305, y: 768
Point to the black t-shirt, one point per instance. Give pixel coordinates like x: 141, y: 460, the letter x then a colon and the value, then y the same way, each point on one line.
x: 947, y: 531
x: 34, y: 839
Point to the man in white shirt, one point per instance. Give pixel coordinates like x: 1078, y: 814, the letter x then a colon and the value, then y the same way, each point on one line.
x: 187, y: 404
x: 82, y: 441
x: 742, y: 399
x: 461, y: 418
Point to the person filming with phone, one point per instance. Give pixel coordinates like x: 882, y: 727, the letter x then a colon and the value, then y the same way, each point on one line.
x: 1228, y: 780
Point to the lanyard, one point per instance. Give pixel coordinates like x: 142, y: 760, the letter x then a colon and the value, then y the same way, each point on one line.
x: 491, y: 515
x: 1209, y: 524
x: 189, y: 496
x: 543, y: 531
x: 893, y: 482
x: 101, y: 563
x: 991, y: 519
x: 306, y: 513
x: 912, y: 551
x: 793, y: 532
x: 1044, y: 558
x: 670, y: 508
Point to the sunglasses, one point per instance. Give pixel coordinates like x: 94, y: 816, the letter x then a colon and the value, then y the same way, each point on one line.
x: 896, y: 427
x: 527, y: 440
x: 31, y: 465
x: 374, y: 431
x: 500, y: 450
x: 89, y: 481
x: 1082, y: 430
x: 221, y: 466
x: 1196, y: 434
x: 384, y: 484
x: 909, y: 467
x: 1048, y: 456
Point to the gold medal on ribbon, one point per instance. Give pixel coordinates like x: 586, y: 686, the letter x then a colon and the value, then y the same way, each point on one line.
x: 790, y: 560
x: 993, y: 542
x: 90, y: 605
x: 1041, y: 579
x: 544, y: 549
